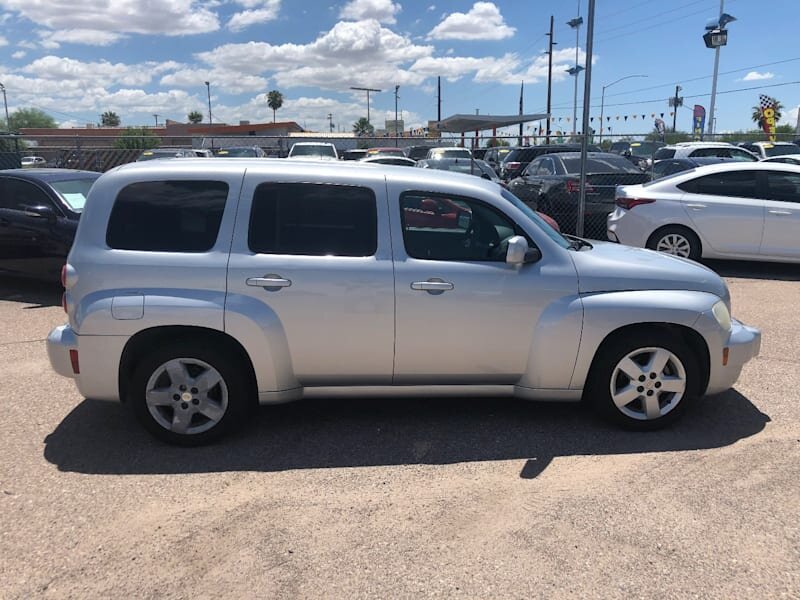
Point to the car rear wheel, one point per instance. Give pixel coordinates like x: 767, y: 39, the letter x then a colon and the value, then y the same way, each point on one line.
x: 643, y: 381
x: 189, y: 394
x: 676, y: 240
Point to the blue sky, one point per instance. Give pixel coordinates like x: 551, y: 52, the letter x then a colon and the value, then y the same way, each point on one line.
x: 77, y: 60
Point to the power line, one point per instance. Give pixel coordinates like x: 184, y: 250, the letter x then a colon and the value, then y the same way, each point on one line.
x: 651, y: 17
x: 661, y: 24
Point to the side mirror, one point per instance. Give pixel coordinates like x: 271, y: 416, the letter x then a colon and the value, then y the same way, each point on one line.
x: 43, y: 212
x: 519, y: 252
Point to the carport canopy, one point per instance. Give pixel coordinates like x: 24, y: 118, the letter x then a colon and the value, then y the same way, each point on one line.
x: 464, y: 123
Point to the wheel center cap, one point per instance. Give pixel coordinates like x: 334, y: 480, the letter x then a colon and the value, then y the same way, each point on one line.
x: 186, y: 397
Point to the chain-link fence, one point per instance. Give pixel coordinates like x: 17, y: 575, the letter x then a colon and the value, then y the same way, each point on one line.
x: 543, y: 171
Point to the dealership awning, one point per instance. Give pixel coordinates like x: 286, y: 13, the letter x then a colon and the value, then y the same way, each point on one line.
x: 464, y: 123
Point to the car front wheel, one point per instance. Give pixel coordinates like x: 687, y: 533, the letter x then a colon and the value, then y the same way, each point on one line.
x: 645, y: 380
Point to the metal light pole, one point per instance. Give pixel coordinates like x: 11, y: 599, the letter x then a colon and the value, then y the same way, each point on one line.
x: 208, y: 87
x: 575, y: 71
x: 396, y: 88
x: 717, y: 42
x: 603, y: 96
x: 368, y: 90
x: 5, y: 105
x: 549, y: 77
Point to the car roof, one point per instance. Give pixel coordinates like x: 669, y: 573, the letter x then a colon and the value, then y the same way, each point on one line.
x: 563, y: 155
x: 724, y: 167
x: 776, y: 158
x: 413, y: 178
x: 312, y: 144
x: 700, y: 145
x: 50, y: 174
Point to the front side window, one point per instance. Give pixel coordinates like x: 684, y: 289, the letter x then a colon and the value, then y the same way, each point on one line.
x: 16, y: 194
x: 738, y: 184
x: 442, y: 227
x: 313, y: 219
x: 783, y: 186
x: 167, y: 216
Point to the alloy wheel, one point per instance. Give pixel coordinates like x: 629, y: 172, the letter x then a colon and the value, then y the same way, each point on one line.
x: 648, y: 383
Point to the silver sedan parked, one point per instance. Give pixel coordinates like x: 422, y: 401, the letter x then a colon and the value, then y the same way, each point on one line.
x: 748, y: 211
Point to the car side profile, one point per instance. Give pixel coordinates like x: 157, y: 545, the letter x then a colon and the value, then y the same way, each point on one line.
x: 744, y: 211
x: 196, y: 289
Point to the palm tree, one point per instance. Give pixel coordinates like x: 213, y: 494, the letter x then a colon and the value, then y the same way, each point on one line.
x: 363, y: 127
x: 274, y: 101
x: 110, y: 119
x: 195, y: 117
x: 758, y: 118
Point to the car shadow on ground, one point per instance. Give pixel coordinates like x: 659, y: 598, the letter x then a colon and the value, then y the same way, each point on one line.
x: 37, y: 294
x: 103, y: 438
x: 755, y: 270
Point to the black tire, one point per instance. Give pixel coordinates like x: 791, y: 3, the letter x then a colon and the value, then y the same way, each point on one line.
x: 676, y: 232
x: 598, y: 391
x: 234, y: 387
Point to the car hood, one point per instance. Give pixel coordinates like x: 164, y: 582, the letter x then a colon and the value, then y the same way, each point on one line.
x: 613, y: 267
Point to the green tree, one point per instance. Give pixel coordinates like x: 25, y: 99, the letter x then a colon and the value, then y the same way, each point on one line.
x: 29, y: 118
x: 758, y: 118
x: 137, y: 138
x: 363, y: 127
x: 274, y: 101
x: 494, y: 142
x: 195, y: 117
x: 110, y: 119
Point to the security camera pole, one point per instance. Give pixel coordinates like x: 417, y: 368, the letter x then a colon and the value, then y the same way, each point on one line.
x: 368, y: 90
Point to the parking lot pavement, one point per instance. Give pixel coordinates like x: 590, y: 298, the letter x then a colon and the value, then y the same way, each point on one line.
x: 440, y: 498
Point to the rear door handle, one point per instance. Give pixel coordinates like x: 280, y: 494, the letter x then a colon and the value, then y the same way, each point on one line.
x: 432, y: 286
x: 269, y: 282
x: 780, y: 212
x: 696, y: 206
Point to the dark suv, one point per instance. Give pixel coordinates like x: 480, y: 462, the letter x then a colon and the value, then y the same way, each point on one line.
x: 515, y: 161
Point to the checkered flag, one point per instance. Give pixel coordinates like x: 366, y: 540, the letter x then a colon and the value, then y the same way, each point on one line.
x: 766, y: 102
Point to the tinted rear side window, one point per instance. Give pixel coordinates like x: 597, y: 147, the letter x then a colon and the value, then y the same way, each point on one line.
x: 663, y: 153
x: 741, y: 184
x: 167, y: 216
x: 313, y: 219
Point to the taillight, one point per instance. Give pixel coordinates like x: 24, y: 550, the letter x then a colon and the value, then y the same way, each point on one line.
x: 629, y: 203
x: 574, y: 187
x: 64, y: 275
x: 511, y: 166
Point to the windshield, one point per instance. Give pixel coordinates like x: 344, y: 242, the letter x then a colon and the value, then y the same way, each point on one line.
x: 73, y: 191
x: 605, y: 164
x: 237, y: 152
x: 450, y: 153
x: 151, y: 154
x: 533, y: 216
x: 668, y: 177
x: 782, y: 149
x: 313, y: 150
x: 644, y: 148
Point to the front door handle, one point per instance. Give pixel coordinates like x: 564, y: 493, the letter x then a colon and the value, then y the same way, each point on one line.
x: 780, y: 212
x: 271, y: 283
x: 696, y: 206
x: 432, y: 286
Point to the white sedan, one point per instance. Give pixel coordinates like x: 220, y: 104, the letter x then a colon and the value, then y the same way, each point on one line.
x: 731, y: 210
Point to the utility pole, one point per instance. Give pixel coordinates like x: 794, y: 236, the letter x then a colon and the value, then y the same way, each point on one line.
x: 208, y: 87
x: 368, y: 90
x: 675, y: 103
x: 396, y: 88
x: 521, y: 89
x: 549, y: 77
x: 438, y: 98
x: 5, y: 105
x: 156, y: 116
x: 330, y: 122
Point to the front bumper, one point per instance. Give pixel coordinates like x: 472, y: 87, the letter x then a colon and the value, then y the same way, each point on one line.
x: 743, y: 344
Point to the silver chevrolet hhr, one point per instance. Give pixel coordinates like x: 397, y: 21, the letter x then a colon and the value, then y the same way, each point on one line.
x: 197, y: 288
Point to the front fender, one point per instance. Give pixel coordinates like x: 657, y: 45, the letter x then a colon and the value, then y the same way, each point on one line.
x: 607, y: 312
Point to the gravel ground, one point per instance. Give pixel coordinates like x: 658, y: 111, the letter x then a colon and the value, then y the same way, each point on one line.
x: 405, y: 499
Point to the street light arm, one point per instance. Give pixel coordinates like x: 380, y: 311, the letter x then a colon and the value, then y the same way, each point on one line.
x: 622, y: 79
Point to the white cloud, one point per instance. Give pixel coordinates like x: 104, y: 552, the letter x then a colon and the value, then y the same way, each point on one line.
x: 230, y: 82
x: 361, y: 53
x: 789, y: 117
x: 19, y: 54
x: 482, y: 22
x: 3, y: 41
x: 258, y: 11
x: 756, y: 76
x: 90, y: 37
x: 102, y: 74
x: 166, y: 17
x: 383, y: 11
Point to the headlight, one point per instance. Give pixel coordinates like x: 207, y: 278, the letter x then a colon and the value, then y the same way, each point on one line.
x: 722, y: 315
